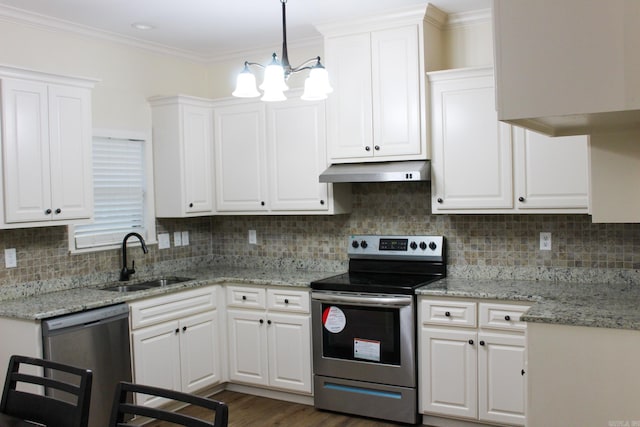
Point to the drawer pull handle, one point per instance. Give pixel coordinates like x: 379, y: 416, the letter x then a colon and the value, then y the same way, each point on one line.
x: 471, y: 342
x: 507, y: 317
x: 286, y: 301
x: 448, y: 314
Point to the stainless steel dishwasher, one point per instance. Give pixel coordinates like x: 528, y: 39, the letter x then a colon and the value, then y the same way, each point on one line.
x: 94, y: 339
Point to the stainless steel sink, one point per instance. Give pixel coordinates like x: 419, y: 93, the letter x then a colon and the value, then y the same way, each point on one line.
x: 147, y: 284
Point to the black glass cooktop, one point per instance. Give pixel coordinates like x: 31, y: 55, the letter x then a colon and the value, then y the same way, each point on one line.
x: 383, y: 283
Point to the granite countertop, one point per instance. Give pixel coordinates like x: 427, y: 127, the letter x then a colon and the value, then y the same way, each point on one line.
x: 579, y: 304
x: 53, y: 304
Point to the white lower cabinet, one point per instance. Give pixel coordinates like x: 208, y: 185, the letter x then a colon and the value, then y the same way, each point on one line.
x: 269, y: 338
x: 176, y: 341
x: 468, y: 371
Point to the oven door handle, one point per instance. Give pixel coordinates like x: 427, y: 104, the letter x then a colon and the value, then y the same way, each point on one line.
x: 366, y: 300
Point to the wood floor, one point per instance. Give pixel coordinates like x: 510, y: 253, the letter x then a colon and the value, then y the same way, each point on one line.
x: 247, y: 410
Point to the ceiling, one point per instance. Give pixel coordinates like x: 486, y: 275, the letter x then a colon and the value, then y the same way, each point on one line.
x: 206, y: 29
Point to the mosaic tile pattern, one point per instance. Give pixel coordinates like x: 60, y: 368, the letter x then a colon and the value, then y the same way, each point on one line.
x: 497, y: 245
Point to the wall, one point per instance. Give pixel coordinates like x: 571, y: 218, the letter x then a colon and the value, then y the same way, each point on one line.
x: 487, y: 245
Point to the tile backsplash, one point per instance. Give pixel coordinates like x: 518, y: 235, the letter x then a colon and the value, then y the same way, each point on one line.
x: 484, y: 245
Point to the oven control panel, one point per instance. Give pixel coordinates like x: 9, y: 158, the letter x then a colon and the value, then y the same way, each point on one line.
x: 412, y: 247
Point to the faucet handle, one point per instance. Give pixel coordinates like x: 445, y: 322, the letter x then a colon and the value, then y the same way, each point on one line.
x: 133, y: 267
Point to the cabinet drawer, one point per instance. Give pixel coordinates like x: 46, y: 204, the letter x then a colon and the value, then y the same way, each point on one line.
x: 246, y: 297
x: 447, y: 312
x: 288, y: 300
x: 174, y: 306
x: 502, y: 316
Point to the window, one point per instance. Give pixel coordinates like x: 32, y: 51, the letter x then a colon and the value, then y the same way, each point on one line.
x: 122, y: 201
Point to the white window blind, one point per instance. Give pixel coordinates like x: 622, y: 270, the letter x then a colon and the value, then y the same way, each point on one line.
x: 119, y: 193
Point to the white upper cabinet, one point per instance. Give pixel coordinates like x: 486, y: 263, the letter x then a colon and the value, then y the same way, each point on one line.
x: 377, y: 109
x: 46, y: 149
x: 480, y: 165
x: 268, y: 159
x: 182, y: 156
x: 568, y: 67
x: 240, y: 157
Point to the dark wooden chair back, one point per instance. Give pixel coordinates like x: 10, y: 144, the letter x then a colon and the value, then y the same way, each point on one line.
x: 123, y: 409
x: 41, y: 408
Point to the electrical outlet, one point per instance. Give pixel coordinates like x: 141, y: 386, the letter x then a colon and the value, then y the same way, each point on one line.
x: 10, y: 259
x: 163, y: 241
x: 177, y: 238
x: 545, y: 241
x: 253, y: 239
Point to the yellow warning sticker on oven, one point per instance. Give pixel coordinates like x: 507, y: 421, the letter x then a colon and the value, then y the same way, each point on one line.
x: 366, y: 349
x: 334, y: 319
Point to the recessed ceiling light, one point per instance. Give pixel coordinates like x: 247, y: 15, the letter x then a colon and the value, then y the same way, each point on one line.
x: 142, y: 26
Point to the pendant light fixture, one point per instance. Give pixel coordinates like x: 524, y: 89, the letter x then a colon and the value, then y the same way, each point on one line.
x: 276, y: 73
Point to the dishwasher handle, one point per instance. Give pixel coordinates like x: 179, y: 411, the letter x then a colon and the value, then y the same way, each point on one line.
x: 84, y: 318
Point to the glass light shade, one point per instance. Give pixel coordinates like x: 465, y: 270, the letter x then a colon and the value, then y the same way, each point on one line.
x: 246, y: 85
x: 273, y: 95
x: 313, y: 90
x: 321, y: 78
x: 274, y: 79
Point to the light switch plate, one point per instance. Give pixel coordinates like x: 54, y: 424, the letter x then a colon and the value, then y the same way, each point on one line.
x: 177, y: 238
x: 185, y: 238
x: 163, y: 241
x: 253, y: 239
x: 10, y: 258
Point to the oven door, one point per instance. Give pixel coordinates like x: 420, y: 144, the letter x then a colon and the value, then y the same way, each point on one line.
x: 364, y: 337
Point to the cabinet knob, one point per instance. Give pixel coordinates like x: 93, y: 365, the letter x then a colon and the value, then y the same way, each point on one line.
x: 261, y: 321
x: 184, y: 329
x: 522, y: 372
x: 261, y: 203
x: 177, y: 330
x: 244, y: 297
x: 286, y: 301
x: 58, y: 211
x: 377, y: 148
x: 507, y: 317
x: 322, y: 202
x: 440, y: 200
x: 367, y: 148
x: 481, y: 343
x: 47, y: 212
x: 190, y: 205
x: 446, y: 313
x: 521, y: 199
x: 471, y: 342
x: 268, y: 322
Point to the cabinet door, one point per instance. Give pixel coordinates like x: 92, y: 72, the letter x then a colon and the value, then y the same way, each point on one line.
x: 200, y: 351
x: 289, y: 344
x: 156, y: 359
x: 197, y: 142
x: 349, y: 121
x: 240, y: 157
x: 25, y: 151
x: 396, y: 77
x: 551, y: 172
x: 247, y: 346
x: 449, y: 372
x: 471, y: 158
x: 297, y: 155
x: 501, y: 379
x: 70, y: 152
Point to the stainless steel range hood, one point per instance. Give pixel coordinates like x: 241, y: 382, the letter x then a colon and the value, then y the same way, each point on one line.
x: 378, y: 172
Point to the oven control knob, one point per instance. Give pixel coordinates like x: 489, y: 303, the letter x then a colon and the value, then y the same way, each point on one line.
x: 364, y: 244
x: 413, y: 245
x: 355, y: 244
x: 433, y: 246
x: 423, y: 245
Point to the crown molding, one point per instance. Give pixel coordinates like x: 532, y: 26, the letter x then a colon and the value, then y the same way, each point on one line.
x: 473, y: 17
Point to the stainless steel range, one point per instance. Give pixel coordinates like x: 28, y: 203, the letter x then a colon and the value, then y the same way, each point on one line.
x: 363, y: 323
